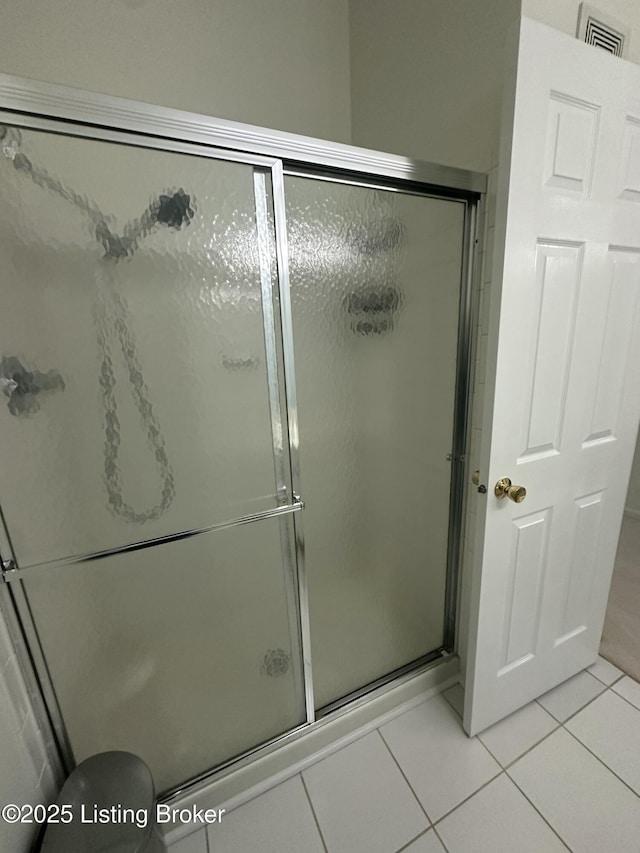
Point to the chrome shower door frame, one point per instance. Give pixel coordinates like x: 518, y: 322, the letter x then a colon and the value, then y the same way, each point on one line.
x: 58, y: 109
x: 267, y: 171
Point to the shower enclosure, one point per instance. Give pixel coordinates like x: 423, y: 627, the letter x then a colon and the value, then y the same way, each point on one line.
x: 234, y: 376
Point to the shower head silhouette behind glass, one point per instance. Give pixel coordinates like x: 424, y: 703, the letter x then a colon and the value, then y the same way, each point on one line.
x: 172, y: 209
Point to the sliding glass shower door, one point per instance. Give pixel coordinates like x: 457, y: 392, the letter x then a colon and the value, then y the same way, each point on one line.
x: 375, y: 293
x: 144, y: 470
x: 191, y: 338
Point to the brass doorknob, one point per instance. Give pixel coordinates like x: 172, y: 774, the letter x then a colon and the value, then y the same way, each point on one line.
x: 504, y: 489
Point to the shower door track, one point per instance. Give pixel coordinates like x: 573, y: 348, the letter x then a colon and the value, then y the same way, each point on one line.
x: 324, y: 717
x: 58, y: 109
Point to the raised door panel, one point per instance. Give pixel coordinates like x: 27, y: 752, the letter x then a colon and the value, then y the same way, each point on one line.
x: 572, y: 130
x: 555, y: 290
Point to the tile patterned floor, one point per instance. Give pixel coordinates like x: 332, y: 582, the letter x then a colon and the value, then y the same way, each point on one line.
x: 561, y: 774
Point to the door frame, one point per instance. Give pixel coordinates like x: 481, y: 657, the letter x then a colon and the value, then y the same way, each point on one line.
x: 44, y: 106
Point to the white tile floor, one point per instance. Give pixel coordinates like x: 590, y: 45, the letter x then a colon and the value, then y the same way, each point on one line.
x: 561, y: 774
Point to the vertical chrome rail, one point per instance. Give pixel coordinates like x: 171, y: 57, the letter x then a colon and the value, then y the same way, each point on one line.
x: 279, y: 427
x: 294, y: 437
x: 460, y: 422
x: 280, y: 455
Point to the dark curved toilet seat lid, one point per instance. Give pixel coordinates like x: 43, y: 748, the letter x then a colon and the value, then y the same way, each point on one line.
x: 112, y: 797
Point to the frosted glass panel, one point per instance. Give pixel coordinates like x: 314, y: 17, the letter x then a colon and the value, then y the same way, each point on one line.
x: 163, y: 653
x: 132, y: 362
x: 375, y: 284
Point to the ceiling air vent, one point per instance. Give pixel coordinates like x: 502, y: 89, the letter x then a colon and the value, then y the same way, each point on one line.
x: 602, y: 30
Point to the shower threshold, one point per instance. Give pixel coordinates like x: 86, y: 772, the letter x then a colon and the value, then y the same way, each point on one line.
x: 238, y: 779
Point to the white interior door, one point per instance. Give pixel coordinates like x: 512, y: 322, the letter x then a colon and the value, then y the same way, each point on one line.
x: 566, y: 360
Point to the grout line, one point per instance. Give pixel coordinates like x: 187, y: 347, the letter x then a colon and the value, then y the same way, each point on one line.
x: 604, y: 764
x: 439, y: 837
x: 586, y: 705
x: 624, y: 698
x: 475, y: 737
x: 395, y: 760
x: 467, y: 798
x: 536, y: 809
x: 499, y: 763
x: 206, y: 836
x: 506, y: 767
x: 409, y: 843
x: 313, y: 812
x: 531, y: 748
x: 615, y: 680
x: 473, y: 793
x: 582, y: 707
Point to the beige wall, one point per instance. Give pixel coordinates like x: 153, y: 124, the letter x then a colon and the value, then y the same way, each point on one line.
x: 426, y: 77
x: 277, y: 63
x: 632, y: 505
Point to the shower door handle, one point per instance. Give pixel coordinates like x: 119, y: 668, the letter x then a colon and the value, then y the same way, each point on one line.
x: 10, y: 571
